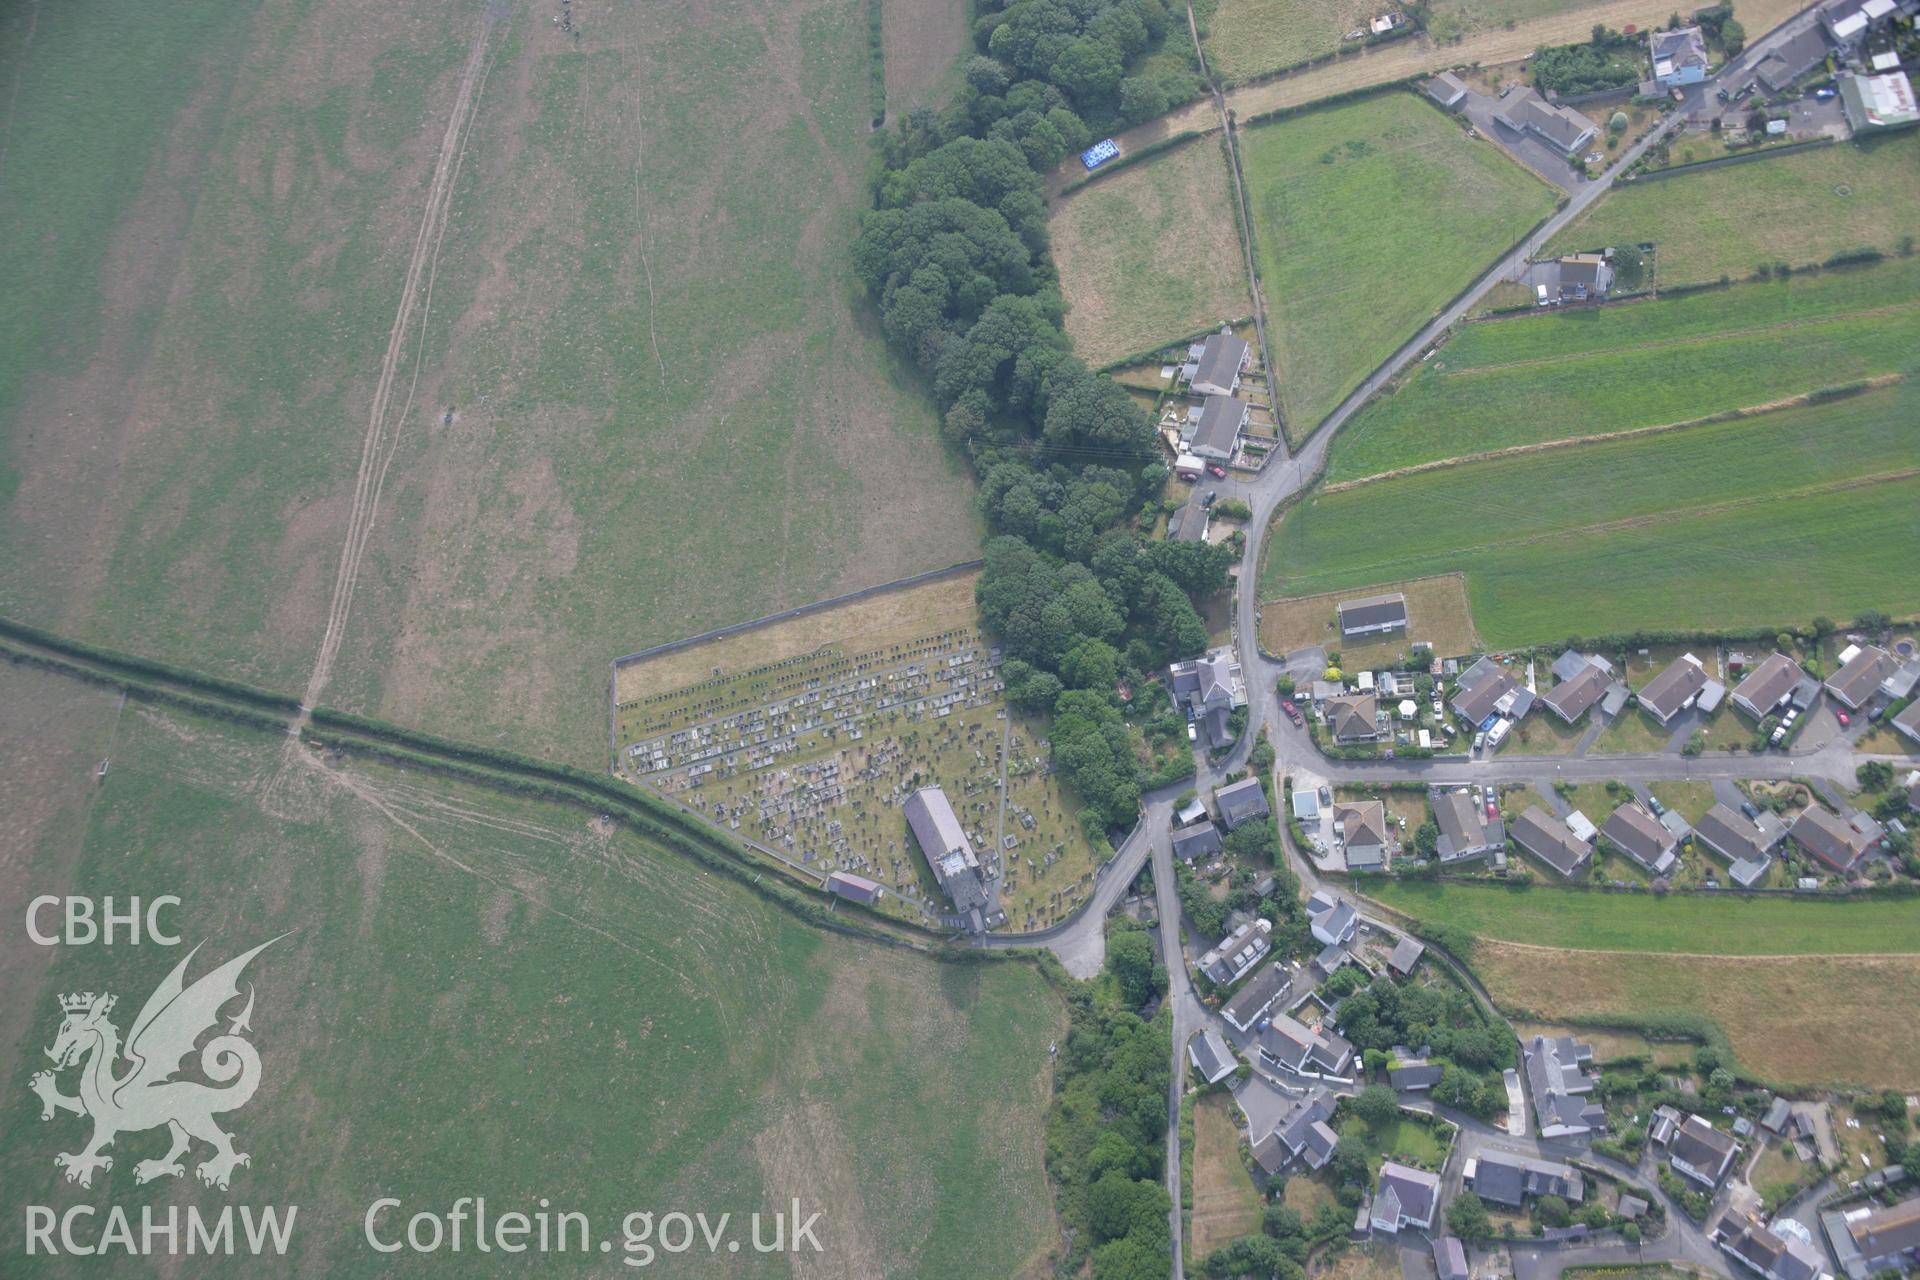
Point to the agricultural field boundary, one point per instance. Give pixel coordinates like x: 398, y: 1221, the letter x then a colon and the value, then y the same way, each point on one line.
x: 1721, y: 162
x: 1819, y: 396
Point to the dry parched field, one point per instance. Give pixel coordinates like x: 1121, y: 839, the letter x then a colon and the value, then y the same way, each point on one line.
x: 1225, y: 1204
x: 1790, y: 1019
x: 923, y: 41
x: 1150, y: 254
x: 1437, y: 613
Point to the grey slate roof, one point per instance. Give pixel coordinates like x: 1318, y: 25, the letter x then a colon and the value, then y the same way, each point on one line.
x: 1767, y: 685
x: 1196, y: 841
x: 1241, y: 802
x: 1570, y: 699
x: 1211, y: 1056
x: 1732, y: 835
x: 1352, y: 717
x: 1508, y: 1179
x: 1449, y: 1258
x: 1550, y: 840
x: 1415, y: 1076
x: 1372, y: 611
x: 1856, y: 682
x: 1834, y: 840
x: 1464, y: 831
x: 1221, y: 357
x: 1256, y: 997
x: 1415, y: 1191
x: 1641, y: 836
x: 1702, y: 1146
x: 1559, y: 1080
x: 1406, y: 954
x: 1220, y: 421
x: 1480, y: 688
x: 946, y: 848
x: 1666, y: 694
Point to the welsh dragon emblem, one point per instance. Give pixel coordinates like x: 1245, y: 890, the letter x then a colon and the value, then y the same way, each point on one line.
x: 146, y: 1095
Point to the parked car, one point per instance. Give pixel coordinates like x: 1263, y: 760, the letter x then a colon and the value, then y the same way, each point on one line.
x: 1193, y: 732
x: 1659, y: 810
x: 1493, y: 810
x: 1824, y: 93
x: 1751, y: 810
x: 1213, y: 496
x: 1845, y: 720
x: 1219, y: 472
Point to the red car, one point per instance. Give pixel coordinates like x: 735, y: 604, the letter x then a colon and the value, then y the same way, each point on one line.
x: 1492, y: 810
x: 1844, y: 721
x: 1219, y: 472
x: 1293, y: 713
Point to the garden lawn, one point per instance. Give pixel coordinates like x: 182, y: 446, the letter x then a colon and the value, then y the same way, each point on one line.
x: 1799, y: 208
x: 1693, y: 924
x: 1540, y: 378
x: 1368, y: 218
x: 1150, y: 254
x: 1691, y: 529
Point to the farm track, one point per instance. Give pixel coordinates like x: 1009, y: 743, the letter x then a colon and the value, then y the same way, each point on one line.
x: 1547, y: 446
x: 416, y: 296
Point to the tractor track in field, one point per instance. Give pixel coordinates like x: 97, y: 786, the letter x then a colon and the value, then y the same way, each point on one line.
x: 384, y: 429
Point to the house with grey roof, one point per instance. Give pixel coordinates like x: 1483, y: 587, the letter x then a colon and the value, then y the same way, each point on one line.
x: 1238, y: 952
x: 1485, y: 690
x: 1190, y: 523
x: 1251, y: 1002
x: 1838, y: 842
x: 1447, y: 90
x: 1872, y: 1239
x: 1211, y: 1056
x: 1862, y: 668
x: 1790, y: 59
x: 1679, y: 57
x: 1745, y: 844
x: 1769, y: 686
x: 1848, y: 21
x: 1333, y: 920
x: 1406, y: 954
x: 1201, y: 840
x: 1404, y: 1197
x: 1288, y: 1043
x: 1575, y: 695
x: 1414, y: 1075
x: 1372, y: 615
x: 944, y: 844
x: 1585, y: 277
x: 1550, y: 840
x: 1241, y: 802
x: 1361, y: 827
x: 1449, y: 1258
x: 1908, y: 721
x: 1525, y: 111
x: 1505, y: 1178
x: 1770, y: 1254
x: 1641, y: 836
x: 1213, y: 427
x: 1674, y: 689
x: 1353, y: 717
x: 1222, y: 359
x: 1560, y: 1080
x: 1701, y: 1152
x: 1208, y: 688
x: 1465, y: 829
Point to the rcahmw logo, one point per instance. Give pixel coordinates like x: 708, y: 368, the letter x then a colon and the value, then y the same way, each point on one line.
x: 130, y: 1087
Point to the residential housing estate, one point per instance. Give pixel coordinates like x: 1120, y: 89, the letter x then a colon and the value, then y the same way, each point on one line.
x: 1550, y: 840
x: 1674, y: 689
x: 1637, y: 833
x: 1465, y: 829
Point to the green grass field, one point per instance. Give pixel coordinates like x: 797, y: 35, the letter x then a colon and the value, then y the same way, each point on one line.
x: 1368, y: 218
x: 1251, y: 37
x: 1546, y: 377
x: 647, y: 344
x: 1151, y: 254
x: 1799, y: 209
x: 1705, y: 924
x: 1690, y: 529
x: 486, y: 996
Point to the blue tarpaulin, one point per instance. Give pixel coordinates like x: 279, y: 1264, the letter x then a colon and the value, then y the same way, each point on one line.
x: 1099, y: 153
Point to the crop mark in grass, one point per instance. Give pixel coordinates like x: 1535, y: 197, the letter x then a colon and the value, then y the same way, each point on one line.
x: 1545, y: 446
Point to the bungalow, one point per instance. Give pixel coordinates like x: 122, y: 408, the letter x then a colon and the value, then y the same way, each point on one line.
x: 1213, y: 429
x: 844, y: 884
x: 1484, y: 690
x: 1507, y: 1179
x: 1884, y: 1239
x: 1673, y: 690
x: 1559, y: 1080
x: 1353, y: 717
x: 1585, y: 277
x: 1525, y: 111
x: 1701, y: 1152
x: 1404, y: 1197
x: 1238, y: 952
x: 1465, y: 830
x: 1908, y: 721
x: 1744, y: 843
x: 1449, y: 1258
x: 1447, y: 90
x: 1210, y: 1056
x: 1241, y: 802
x: 1200, y: 840
x: 1287, y: 1043
x: 956, y: 868
x: 1362, y: 830
x: 1790, y: 60
x: 1334, y: 921
x: 1372, y: 615
x: 1416, y: 1075
x: 1189, y: 524
x: 1878, y: 102
x: 1251, y: 1002
x: 1862, y: 668
x: 1218, y: 364
x: 1772, y: 1255
x: 1679, y: 57
x: 1571, y: 699
x: 1838, y: 842
x: 1551, y: 840
x: 1406, y: 954
x: 1768, y: 685
x: 1641, y: 836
